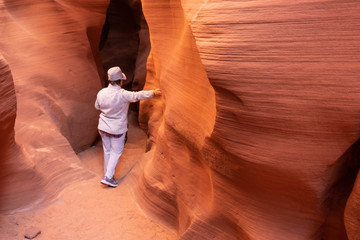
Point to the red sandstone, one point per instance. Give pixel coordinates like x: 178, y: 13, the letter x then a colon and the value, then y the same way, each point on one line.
x: 255, y: 137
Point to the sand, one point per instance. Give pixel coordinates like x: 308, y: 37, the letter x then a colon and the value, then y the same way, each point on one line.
x: 90, y: 210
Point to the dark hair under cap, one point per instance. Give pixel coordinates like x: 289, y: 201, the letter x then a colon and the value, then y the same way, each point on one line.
x: 115, y: 82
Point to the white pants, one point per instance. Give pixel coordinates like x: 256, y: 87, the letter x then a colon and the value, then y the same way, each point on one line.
x: 113, y: 148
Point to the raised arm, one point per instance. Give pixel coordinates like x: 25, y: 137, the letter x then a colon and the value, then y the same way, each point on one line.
x: 141, y: 95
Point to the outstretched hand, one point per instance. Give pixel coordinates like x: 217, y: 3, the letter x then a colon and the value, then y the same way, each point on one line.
x: 157, y: 92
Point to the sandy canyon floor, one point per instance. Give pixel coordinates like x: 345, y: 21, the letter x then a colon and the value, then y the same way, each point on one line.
x: 89, y: 210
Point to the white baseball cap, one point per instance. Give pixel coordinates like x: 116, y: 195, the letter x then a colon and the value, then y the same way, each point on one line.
x: 115, y: 74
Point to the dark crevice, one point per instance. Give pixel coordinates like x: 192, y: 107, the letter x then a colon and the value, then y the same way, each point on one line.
x: 125, y: 42
x: 121, y: 40
x: 342, y: 176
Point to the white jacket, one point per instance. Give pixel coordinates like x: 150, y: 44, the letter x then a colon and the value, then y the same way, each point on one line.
x: 113, y: 102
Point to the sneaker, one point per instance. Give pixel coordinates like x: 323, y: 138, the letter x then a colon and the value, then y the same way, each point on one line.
x: 110, y: 182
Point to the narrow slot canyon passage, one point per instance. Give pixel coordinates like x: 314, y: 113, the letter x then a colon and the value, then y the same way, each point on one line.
x: 125, y: 42
x: 87, y: 209
x: 256, y: 135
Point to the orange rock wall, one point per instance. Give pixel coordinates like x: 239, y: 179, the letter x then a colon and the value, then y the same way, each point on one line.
x: 257, y: 132
x: 255, y: 136
x: 51, y: 52
x: 7, y: 120
x: 8, y: 106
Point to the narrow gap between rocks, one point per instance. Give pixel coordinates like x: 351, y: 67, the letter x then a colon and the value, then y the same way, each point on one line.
x: 343, y: 174
x: 125, y: 42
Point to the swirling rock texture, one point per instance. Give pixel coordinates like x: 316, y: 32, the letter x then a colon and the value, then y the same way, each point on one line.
x: 50, y: 49
x: 257, y: 132
x: 255, y: 137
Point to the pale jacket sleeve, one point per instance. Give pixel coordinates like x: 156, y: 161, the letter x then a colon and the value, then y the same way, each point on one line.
x: 137, y: 96
x: 97, y: 105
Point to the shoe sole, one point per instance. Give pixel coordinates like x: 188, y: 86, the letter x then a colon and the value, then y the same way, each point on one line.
x: 108, y: 184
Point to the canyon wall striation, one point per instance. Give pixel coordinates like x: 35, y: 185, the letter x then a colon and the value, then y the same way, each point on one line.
x: 8, y: 107
x: 256, y: 135
x: 50, y: 62
x: 257, y: 132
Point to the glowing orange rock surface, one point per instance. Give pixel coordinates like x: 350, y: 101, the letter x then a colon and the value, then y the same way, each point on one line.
x: 256, y: 135
x: 261, y: 119
x: 47, y: 51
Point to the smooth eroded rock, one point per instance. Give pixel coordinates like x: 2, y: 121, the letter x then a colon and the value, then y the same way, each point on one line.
x: 257, y: 132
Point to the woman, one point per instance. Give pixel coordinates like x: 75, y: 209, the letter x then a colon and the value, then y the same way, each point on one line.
x: 113, y: 102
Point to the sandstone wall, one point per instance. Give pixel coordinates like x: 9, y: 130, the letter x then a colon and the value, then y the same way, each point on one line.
x: 257, y: 132
x: 255, y: 137
x: 7, y: 121
x: 8, y: 106
x: 51, y: 48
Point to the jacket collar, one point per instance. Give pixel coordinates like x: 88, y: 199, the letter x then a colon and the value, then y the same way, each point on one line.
x: 117, y: 87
